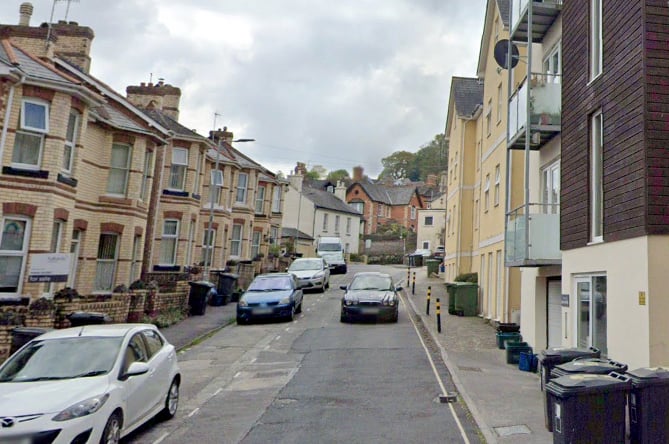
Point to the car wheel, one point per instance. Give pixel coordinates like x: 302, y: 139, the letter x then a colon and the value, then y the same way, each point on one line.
x: 112, y: 431
x: 343, y: 318
x: 298, y: 309
x: 395, y: 317
x: 171, y: 401
x: 291, y: 316
x: 241, y: 321
x: 327, y: 285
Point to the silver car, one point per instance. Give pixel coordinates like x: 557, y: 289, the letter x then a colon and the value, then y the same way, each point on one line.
x: 311, y: 272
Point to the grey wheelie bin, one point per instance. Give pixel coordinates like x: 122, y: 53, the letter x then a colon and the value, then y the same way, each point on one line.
x: 553, y: 356
x: 589, y: 408
x: 649, y: 405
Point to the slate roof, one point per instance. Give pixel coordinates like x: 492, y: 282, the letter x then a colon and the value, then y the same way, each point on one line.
x: 171, y: 124
x: 328, y: 201
x: 467, y: 94
x: 14, y: 56
x: 293, y: 233
x: 503, y: 6
x: 388, y: 195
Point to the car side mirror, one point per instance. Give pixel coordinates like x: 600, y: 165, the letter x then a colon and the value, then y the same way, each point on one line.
x: 398, y: 288
x: 136, y: 369
x: 343, y: 287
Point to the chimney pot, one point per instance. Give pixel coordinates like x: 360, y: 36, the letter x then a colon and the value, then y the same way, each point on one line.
x: 25, y: 12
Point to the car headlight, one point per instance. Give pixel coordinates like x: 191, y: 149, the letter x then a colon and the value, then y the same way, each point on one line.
x: 350, y: 301
x: 83, y: 408
x: 284, y: 301
x: 242, y: 303
x: 391, y: 302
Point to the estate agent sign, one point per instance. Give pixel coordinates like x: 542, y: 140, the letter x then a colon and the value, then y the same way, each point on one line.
x: 50, y: 267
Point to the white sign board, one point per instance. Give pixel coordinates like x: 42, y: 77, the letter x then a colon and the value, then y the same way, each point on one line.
x: 50, y: 267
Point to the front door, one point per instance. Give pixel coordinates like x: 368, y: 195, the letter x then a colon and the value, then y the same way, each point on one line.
x: 591, y: 312
x: 554, y: 321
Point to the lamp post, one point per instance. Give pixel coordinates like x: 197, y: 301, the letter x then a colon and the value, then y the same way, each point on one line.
x: 210, y: 230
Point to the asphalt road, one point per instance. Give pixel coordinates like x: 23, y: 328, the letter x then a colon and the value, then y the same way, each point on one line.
x: 315, y: 380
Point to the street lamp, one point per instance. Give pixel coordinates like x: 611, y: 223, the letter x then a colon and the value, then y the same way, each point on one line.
x: 210, y: 229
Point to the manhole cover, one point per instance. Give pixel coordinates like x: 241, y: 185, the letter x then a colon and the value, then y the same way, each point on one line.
x: 513, y: 430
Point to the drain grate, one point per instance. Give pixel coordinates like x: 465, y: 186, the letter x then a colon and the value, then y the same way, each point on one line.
x: 469, y: 369
x: 513, y: 430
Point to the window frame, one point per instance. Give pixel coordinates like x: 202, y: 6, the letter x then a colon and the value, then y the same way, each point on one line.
x: 169, y: 238
x: 69, y: 146
x: 596, y: 39
x: 425, y: 221
x: 176, y: 166
x: 260, y: 199
x: 125, y: 169
x: 113, y: 261
x: 242, y: 190
x: 486, y: 193
x: 276, y: 199
x: 497, y: 185
x: 23, y: 252
x: 208, y: 246
x: 146, y: 175
x: 325, y: 222
x: 596, y: 177
x: 256, y: 239
x: 236, y: 242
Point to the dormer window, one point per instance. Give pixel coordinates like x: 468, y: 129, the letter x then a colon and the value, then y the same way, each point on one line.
x: 330, y: 189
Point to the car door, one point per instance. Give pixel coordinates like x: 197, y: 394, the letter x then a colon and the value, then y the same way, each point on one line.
x: 297, y: 292
x: 161, y: 360
x: 137, y: 389
x: 326, y: 271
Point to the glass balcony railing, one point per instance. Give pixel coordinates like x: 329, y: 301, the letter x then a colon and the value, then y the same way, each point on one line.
x: 545, y: 104
x: 534, y: 240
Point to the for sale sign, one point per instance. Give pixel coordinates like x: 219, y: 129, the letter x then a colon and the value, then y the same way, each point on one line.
x: 50, y: 267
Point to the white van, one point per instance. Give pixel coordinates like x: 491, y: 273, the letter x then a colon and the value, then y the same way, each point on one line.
x: 332, y: 250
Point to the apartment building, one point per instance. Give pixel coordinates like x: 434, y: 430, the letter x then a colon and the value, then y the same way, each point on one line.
x: 614, y: 234
x: 534, y: 136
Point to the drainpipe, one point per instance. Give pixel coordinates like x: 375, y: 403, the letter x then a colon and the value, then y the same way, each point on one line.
x: 8, y: 110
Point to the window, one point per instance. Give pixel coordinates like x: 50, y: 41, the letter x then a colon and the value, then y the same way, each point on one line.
x: 274, y: 236
x: 153, y: 342
x: 486, y: 193
x: 596, y: 178
x: 146, y: 175
x: 596, y: 38
x: 208, y: 243
x: 426, y: 245
x: 135, y: 352
x: 198, y: 172
x: 448, y: 223
x: 553, y: 65
x: 348, y: 225
x: 215, y: 184
x: 70, y: 141
x: 255, y: 243
x: 496, y: 32
x: 550, y: 188
x: 499, y: 103
x: 497, y: 180
x: 454, y: 214
x: 242, y: 180
x: 120, y: 167
x: 336, y: 224
x: 380, y: 211
x: 358, y: 206
x: 260, y: 199
x: 168, y: 242
x: 325, y: 222
x: 75, y: 244
x: 105, y: 272
x: 429, y: 220
x: 236, y: 240
x: 29, y: 139
x: 488, y: 118
x: 413, y: 212
x: 178, y: 168
x: 136, y: 261
x: 189, y: 246
x: 276, y: 199
x: 56, y: 232
x: 13, y: 253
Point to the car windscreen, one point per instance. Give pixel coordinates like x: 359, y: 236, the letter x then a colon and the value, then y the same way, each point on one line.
x: 62, y: 358
x: 305, y: 265
x: 329, y: 247
x: 270, y: 283
x: 371, y: 283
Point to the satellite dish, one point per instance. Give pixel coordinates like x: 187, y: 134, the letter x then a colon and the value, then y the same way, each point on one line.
x: 501, y: 53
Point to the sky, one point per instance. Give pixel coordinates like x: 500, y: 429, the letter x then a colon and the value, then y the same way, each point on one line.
x: 337, y: 84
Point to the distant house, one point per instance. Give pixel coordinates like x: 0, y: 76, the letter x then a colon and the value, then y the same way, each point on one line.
x: 318, y: 209
x: 382, y: 204
x: 431, y: 229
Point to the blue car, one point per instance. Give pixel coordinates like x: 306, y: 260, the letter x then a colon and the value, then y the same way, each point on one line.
x: 270, y: 296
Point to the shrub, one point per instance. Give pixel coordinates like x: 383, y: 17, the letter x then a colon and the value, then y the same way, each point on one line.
x: 169, y: 317
x: 66, y: 293
x: 385, y: 259
x: 120, y: 289
x: 138, y: 285
x: 42, y: 304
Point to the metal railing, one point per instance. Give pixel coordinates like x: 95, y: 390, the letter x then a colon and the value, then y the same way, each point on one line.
x: 519, y: 9
x: 533, y: 234
x: 545, y: 97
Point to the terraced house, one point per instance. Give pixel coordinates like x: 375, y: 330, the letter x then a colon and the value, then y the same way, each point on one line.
x: 115, y: 181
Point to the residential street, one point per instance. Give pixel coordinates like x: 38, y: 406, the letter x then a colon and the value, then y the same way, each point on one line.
x: 314, y: 380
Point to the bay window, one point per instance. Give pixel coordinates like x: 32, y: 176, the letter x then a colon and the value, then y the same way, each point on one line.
x: 168, y: 243
x: 178, y: 168
x: 70, y: 141
x: 107, y: 259
x: 236, y: 240
x: 242, y: 179
x: 117, y: 182
x: 13, y: 254
x: 29, y: 137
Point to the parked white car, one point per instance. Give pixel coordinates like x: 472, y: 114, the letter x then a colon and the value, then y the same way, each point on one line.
x: 88, y: 384
x: 311, y: 272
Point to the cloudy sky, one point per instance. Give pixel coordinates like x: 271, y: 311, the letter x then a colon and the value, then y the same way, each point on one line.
x: 337, y: 84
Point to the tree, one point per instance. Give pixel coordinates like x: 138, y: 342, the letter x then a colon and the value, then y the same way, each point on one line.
x: 398, y: 165
x: 316, y: 172
x: 337, y: 175
x: 432, y: 158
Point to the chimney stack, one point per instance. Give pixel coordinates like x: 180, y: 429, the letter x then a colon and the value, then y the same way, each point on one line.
x: 161, y: 96
x: 340, y: 190
x: 301, y: 169
x: 431, y: 180
x: 358, y: 173
x: 25, y: 12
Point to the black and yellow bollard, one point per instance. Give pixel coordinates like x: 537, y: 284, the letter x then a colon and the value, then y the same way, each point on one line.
x: 429, y: 294
x: 438, y: 316
x: 413, y: 284
x: 409, y: 274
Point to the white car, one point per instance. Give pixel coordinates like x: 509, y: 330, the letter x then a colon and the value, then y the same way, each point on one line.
x: 311, y: 272
x: 90, y: 384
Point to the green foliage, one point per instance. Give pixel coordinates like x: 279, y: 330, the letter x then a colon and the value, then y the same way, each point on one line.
x: 336, y: 175
x: 312, y: 175
x: 467, y: 277
x: 169, y: 317
x: 385, y: 259
x: 397, y: 166
x: 431, y: 158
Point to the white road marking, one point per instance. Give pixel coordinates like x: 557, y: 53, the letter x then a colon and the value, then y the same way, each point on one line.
x: 217, y: 392
x: 253, y: 360
x: 237, y: 375
x: 287, y: 328
x: 277, y: 338
x: 436, y: 374
x: 197, y: 409
x: 162, y: 437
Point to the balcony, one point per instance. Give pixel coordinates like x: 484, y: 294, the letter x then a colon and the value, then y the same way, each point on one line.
x: 533, y: 241
x: 545, y: 112
x: 544, y: 14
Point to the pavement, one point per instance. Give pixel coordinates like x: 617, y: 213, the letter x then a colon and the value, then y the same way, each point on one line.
x: 506, y: 403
